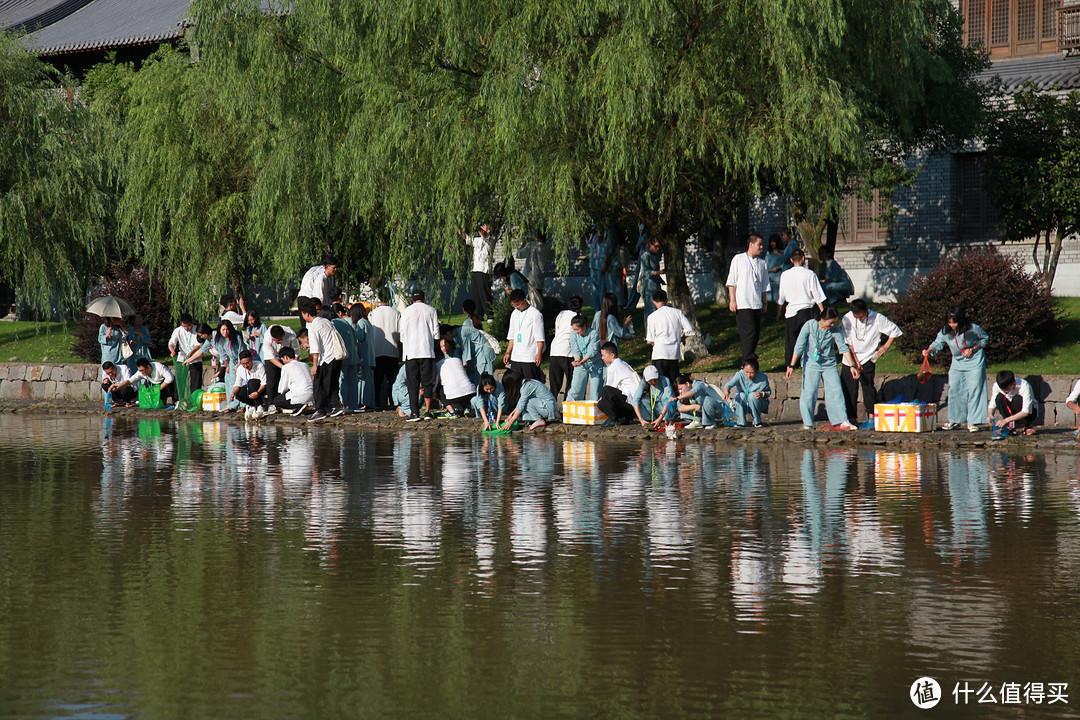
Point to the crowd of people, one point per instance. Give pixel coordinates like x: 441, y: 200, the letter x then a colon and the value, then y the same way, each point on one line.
x: 369, y: 357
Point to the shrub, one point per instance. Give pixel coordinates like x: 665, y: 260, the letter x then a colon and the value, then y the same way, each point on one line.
x: 1011, y: 305
x: 147, y: 296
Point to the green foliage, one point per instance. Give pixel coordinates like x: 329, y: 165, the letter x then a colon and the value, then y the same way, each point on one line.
x: 147, y: 295
x: 56, y: 198
x: 997, y: 293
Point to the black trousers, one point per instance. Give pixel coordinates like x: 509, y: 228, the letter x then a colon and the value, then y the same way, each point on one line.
x: 282, y: 402
x: 561, y: 374
x: 528, y: 370
x: 613, y: 403
x: 667, y: 368
x: 420, y: 372
x: 243, y: 394
x: 792, y: 326
x: 851, y: 390
x: 749, y: 324
x: 385, y: 372
x: 273, y: 377
x: 325, y: 385
x: 195, y: 376
x: 125, y: 394
x: 1006, y: 407
x: 481, y: 293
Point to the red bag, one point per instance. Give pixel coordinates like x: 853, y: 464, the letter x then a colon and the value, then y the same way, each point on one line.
x: 925, y: 372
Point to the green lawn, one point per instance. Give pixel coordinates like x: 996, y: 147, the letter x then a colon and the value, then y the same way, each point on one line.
x: 51, y: 342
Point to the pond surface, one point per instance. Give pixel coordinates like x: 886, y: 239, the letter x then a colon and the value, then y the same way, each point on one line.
x: 159, y: 569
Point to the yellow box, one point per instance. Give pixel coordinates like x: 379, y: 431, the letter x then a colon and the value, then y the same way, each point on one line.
x: 579, y: 456
x: 582, y: 412
x: 905, y: 417
x: 897, y: 467
x: 214, y: 401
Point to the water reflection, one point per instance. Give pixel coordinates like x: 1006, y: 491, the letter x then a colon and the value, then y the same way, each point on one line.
x: 599, y: 558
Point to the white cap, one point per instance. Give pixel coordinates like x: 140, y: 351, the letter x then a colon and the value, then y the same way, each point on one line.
x: 651, y: 373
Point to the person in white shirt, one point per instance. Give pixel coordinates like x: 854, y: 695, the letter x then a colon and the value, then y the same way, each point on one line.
x: 156, y: 374
x: 664, y: 330
x: 117, y: 383
x: 419, y: 332
x: 187, y: 347
x: 526, y: 336
x: 455, y: 390
x: 863, y: 329
x: 801, y: 290
x: 229, y: 311
x: 1073, y: 403
x: 385, y: 320
x: 481, y: 269
x: 747, y: 284
x: 325, y: 363
x: 560, y: 370
x: 318, y: 282
x: 275, y: 340
x: 295, y: 386
x: 1014, y: 400
x: 536, y: 254
x: 249, y: 387
x: 621, y: 384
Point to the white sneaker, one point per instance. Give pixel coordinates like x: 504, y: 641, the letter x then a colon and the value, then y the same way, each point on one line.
x: 947, y: 426
x: 846, y: 426
x: 271, y: 410
x: 249, y: 413
x: 973, y: 428
x: 258, y: 414
x: 537, y: 424
x: 694, y: 425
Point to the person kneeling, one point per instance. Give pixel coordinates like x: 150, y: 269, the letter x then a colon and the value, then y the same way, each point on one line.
x: 702, y: 405
x: 1014, y: 400
x: 490, y: 401
x: 117, y: 383
x: 250, y: 384
x: 752, y: 392
x: 155, y: 373
x: 653, y: 399
x: 295, y: 386
x: 453, y: 383
x: 531, y: 400
x: 622, y: 383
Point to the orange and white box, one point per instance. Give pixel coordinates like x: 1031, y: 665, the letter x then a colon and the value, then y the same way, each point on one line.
x: 214, y: 402
x: 582, y: 412
x: 905, y: 417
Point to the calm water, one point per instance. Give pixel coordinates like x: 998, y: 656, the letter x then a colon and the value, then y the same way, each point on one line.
x: 200, y: 570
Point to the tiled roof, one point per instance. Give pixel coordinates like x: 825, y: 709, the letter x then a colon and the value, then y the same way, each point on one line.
x: 67, y: 26
x: 1046, y: 72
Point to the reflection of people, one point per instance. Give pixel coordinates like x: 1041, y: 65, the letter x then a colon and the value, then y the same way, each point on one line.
x: 967, y: 373
x: 1014, y: 400
x: 863, y: 329
x: 747, y: 281
x: 752, y: 392
x: 820, y: 341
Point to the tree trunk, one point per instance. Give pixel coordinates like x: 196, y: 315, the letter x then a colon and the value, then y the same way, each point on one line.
x: 678, y: 290
x: 718, y: 257
x: 1053, y: 253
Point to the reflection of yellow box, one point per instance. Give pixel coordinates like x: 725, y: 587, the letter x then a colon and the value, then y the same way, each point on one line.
x: 579, y: 456
x: 905, y: 417
x: 895, y: 467
x: 214, y: 401
x: 582, y: 412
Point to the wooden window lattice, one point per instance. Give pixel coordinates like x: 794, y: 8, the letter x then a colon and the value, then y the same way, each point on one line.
x: 999, y: 22
x: 976, y: 22
x: 1049, y: 18
x: 1025, y: 20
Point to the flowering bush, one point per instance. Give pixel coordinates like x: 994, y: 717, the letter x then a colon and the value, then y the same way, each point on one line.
x: 997, y: 293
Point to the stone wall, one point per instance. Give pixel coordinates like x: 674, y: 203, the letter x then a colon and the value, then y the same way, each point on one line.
x: 49, y: 382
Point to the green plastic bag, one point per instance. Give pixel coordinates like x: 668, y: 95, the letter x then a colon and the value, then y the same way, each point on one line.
x: 183, y: 387
x: 150, y: 397
x: 196, y: 401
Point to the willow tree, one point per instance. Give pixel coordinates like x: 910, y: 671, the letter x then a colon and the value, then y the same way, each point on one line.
x: 418, y: 119
x: 56, y: 197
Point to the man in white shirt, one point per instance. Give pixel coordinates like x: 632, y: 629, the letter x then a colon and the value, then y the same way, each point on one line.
x: 325, y: 364
x: 318, y: 282
x: 621, y: 384
x: 117, y: 383
x: 455, y: 390
x: 801, y: 290
x: 419, y: 328
x: 526, y: 335
x: 250, y: 384
x: 481, y: 270
x: 277, y: 339
x: 1073, y: 403
x: 1014, y: 400
x: 664, y: 330
x: 230, y: 312
x: 560, y: 369
x: 154, y: 373
x: 385, y: 321
x: 295, y: 386
x: 747, y: 283
x: 863, y: 329
x: 187, y: 348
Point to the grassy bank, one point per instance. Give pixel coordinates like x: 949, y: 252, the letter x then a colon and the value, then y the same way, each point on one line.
x: 52, y: 341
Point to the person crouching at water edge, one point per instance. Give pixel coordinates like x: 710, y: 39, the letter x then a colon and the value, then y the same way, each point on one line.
x: 622, y: 382
x: 117, y: 383
x: 1014, y: 399
x: 126, y: 388
x: 967, y: 373
x: 822, y: 343
x: 531, y: 400
x: 653, y: 398
x: 249, y: 385
x: 702, y: 404
x: 489, y: 403
x: 752, y: 392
